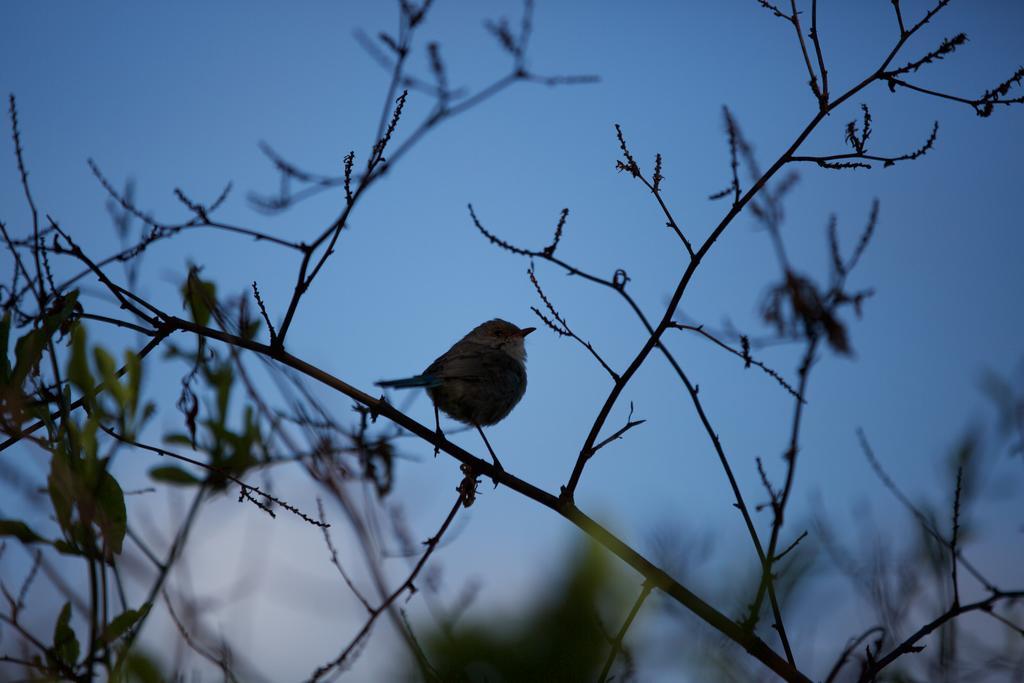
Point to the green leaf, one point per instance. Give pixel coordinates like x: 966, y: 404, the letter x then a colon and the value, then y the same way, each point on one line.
x: 134, y: 368
x: 65, y: 548
x: 78, y: 365
x: 180, y: 439
x: 108, y: 372
x: 84, y: 438
x: 27, y: 352
x: 20, y: 530
x: 222, y: 379
x: 136, y: 667
x: 249, y: 330
x: 121, y: 623
x: 62, y: 489
x: 65, y: 644
x: 111, y: 516
x: 170, y: 474
x: 68, y: 304
x: 199, y: 296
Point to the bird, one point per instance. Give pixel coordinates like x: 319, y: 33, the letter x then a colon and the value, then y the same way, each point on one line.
x: 479, y: 380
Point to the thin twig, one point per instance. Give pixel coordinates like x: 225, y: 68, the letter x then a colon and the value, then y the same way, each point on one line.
x: 654, y: 186
x: 926, y: 524
x: 617, y: 642
x: 794, y: 19
x: 982, y: 106
x: 899, y: 17
x: 744, y: 355
x: 407, y: 585
x: 630, y: 423
x: 791, y: 546
x: 220, y: 662
x: 779, y: 503
x: 562, y: 328
x: 334, y: 557
x: 243, y: 487
x: 816, y: 39
x: 956, y: 533
x: 909, y: 645
x: 263, y: 312
x: 851, y: 645
x: 842, y: 160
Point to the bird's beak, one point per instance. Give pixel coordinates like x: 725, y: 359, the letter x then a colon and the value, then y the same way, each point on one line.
x: 526, y: 330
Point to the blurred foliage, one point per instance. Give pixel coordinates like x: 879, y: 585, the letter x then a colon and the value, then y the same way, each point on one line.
x: 230, y: 450
x: 558, y: 637
x: 1008, y: 396
x: 86, y: 499
x: 138, y: 667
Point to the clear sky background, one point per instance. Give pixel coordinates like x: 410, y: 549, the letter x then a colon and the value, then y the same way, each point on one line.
x: 179, y: 94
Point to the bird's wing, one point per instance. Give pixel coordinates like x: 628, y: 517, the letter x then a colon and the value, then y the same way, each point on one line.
x: 474, y: 363
x: 464, y: 361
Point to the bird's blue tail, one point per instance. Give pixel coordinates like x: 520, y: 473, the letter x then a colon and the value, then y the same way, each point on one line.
x: 426, y: 381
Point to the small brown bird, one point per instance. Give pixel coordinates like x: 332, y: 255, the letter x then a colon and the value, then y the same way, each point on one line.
x: 479, y: 380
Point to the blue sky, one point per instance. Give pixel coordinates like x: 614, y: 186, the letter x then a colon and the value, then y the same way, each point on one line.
x: 179, y: 95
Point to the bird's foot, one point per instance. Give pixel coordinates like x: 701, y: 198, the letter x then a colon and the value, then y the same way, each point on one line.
x: 497, y: 465
x: 437, y: 446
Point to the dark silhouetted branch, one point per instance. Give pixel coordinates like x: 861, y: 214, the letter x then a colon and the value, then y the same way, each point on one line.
x: 560, y: 327
x: 631, y: 167
x: 748, y: 360
x: 926, y: 524
x: 858, y: 159
x: 244, y: 488
x: 620, y: 636
x: 407, y: 585
x: 910, y: 644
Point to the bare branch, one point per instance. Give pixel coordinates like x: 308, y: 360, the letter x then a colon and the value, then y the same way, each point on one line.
x: 620, y: 636
x: 947, y: 47
x: 839, y: 161
x: 562, y: 328
x: 407, y: 585
x: 748, y: 360
x: 926, y: 524
x: 630, y: 166
x: 956, y: 533
x: 334, y: 557
x: 630, y: 423
x: 909, y: 645
x: 263, y: 312
x: 244, y: 488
